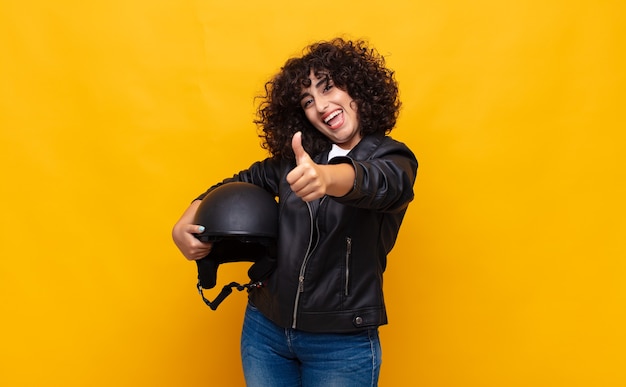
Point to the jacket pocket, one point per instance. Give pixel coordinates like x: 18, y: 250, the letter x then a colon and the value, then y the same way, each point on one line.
x: 347, y: 263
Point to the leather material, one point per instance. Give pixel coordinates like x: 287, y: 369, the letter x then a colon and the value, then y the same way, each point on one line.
x: 337, y: 245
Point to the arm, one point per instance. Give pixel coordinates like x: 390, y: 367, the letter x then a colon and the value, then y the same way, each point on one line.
x: 183, y: 231
x: 384, y: 180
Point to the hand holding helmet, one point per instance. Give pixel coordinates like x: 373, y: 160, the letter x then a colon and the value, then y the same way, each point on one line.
x: 184, y: 232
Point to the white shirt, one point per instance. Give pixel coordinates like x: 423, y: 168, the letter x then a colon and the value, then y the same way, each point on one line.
x: 336, y: 151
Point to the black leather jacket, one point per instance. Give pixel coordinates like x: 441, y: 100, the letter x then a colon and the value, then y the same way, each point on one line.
x: 332, y: 252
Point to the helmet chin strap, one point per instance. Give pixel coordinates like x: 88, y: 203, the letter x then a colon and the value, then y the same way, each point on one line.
x: 226, y: 291
x: 261, y: 252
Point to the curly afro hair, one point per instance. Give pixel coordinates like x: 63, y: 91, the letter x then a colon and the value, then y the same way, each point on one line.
x: 353, y: 67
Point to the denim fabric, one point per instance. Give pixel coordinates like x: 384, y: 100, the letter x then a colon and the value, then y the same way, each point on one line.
x: 277, y: 357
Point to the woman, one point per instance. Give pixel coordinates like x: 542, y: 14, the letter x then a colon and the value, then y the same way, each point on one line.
x: 343, y: 186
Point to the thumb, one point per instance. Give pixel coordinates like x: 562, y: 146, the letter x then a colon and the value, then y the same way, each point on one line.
x: 298, y: 149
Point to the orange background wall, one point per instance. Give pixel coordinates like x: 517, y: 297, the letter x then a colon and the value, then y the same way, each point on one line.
x: 509, y: 270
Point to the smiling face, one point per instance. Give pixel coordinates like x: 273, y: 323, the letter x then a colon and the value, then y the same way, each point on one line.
x: 331, y: 110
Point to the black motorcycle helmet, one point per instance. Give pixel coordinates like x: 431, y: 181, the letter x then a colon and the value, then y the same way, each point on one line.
x: 241, y: 220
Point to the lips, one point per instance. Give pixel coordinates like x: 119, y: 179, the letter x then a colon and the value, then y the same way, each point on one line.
x: 334, y: 119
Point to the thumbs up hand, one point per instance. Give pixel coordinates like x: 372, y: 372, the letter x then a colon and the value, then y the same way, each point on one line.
x: 308, y: 179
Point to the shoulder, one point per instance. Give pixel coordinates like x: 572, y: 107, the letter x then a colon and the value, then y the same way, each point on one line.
x: 375, y: 146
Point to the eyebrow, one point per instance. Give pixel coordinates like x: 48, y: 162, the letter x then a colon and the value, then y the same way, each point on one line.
x: 325, y: 78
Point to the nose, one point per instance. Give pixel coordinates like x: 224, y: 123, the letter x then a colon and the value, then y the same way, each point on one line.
x: 321, y: 104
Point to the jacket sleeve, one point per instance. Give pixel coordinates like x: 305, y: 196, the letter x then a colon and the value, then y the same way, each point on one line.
x: 384, y: 181
x: 266, y: 174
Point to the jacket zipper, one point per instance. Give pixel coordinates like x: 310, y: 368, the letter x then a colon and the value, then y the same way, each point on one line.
x: 309, y: 252
x: 348, y: 252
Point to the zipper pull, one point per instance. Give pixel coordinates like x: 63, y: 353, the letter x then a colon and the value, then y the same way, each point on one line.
x: 301, y: 284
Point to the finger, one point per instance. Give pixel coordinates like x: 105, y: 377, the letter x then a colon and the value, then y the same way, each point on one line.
x: 197, y: 254
x: 194, y: 229
x: 302, y: 177
x: 310, y: 197
x: 293, y: 176
x: 199, y: 250
x: 298, y: 149
x: 306, y: 189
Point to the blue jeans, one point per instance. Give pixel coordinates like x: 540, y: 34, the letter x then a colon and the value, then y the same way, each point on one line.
x: 277, y: 357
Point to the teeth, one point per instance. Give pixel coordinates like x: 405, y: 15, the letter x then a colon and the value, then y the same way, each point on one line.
x: 332, y: 115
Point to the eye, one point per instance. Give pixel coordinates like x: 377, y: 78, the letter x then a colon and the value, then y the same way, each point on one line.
x: 328, y: 84
x: 306, y: 102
